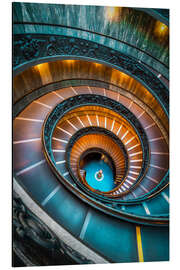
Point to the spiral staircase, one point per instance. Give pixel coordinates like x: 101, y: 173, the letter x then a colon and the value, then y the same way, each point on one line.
x: 74, y: 96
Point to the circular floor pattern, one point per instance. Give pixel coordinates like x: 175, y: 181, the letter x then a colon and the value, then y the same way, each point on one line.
x: 105, y: 183
x: 99, y: 178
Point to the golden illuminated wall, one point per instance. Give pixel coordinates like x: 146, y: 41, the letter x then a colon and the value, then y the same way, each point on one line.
x: 47, y: 73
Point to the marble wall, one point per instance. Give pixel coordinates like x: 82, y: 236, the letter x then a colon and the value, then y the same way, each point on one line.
x: 129, y: 25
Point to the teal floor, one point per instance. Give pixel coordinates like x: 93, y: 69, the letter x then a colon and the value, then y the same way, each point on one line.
x: 106, y: 184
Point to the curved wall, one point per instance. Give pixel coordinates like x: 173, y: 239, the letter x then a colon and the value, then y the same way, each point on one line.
x: 51, y: 72
x: 41, y: 81
x: 130, y: 26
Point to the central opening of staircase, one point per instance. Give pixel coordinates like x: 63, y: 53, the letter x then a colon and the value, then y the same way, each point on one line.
x: 98, y: 171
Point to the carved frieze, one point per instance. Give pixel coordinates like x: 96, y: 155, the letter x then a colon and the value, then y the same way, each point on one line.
x: 34, y: 46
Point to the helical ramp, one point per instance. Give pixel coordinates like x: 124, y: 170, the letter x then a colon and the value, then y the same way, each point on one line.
x: 76, y: 100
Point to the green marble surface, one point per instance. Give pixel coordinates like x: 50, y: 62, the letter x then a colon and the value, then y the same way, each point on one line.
x: 133, y: 26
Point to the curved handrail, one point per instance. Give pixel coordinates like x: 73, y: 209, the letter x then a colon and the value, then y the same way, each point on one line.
x: 95, y: 130
x: 154, y: 220
x: 73, y: 48
x: 96, y: 33
x: 56, y: 118
x: 162, y: 185
x: 97, y: 204
x: 77, y: 101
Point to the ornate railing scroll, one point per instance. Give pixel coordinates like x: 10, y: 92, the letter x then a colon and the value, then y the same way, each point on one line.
x: 80, y: 100
x: 28, y: 228
x: 33, y: 46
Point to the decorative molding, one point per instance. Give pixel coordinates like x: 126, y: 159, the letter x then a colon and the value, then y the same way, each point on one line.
x: 30, y: 228
x: 34, y: 46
